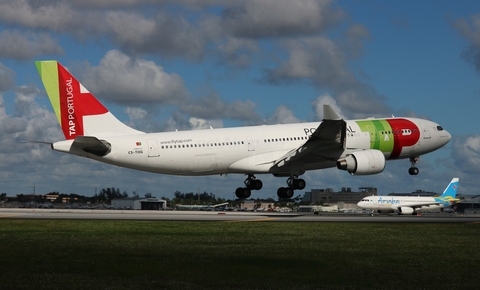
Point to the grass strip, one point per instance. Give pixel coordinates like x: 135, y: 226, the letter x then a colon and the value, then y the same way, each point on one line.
x: 73, y: 254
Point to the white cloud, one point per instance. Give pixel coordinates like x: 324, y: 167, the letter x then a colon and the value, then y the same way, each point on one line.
x: 279, y: 18
x: 242, y: 33
x: 199, y: 124
x: 469, y: 28
x: 237, y: 51
x: 282, y: 115
x: 135, y: 113
x: 17, y: 45
x: 325, y: 99
x: 320, y: 61
x: 466, y: 153
x: 6, y: 78
x: 124, y: 80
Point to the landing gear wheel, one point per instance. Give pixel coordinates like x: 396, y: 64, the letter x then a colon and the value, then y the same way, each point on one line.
x: 257, y: 184
x: 296, y: 183
x: 252, y: 183
x: 243, y: 192
x: 413, y: 170
x: 285, y: 192
x: 299, y: 184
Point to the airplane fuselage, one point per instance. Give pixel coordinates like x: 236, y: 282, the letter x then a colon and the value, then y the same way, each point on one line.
x: 392, y: 203
x: 254, y: 149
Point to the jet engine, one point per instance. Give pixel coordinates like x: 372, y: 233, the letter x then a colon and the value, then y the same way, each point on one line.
x: 405, y: 210
x: 363, y: 162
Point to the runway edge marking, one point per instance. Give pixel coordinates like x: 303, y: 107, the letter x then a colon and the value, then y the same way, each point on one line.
x: 4, y: 216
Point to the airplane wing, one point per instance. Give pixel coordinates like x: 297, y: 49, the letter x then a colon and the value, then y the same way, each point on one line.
x: 325, y: 144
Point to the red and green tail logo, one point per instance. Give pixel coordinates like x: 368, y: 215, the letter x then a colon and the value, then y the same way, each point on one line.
x: 70, y: 100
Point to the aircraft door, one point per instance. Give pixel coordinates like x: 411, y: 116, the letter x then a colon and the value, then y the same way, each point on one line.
x: 152, y: 148
x: 426, y: 132
x: 251, y: 145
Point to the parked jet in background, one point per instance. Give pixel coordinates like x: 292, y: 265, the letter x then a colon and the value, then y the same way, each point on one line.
x: 207, y: 207
x: 411, y: 204
x: 360, y: 147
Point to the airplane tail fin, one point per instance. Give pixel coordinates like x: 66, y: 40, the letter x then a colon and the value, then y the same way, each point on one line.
x: 451, y: 190
x: 329, y: 113
x: 78, y: 111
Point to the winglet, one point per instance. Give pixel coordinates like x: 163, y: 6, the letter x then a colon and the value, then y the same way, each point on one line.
x: 329, y: 113
x: 451, y: 190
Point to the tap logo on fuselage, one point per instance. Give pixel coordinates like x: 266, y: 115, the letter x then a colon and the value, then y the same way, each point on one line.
x: 391, y: 135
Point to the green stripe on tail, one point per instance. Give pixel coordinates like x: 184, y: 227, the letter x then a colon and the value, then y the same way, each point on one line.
x: 48, y: 71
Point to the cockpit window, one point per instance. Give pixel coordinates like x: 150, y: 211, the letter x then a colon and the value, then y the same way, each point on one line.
x: 439, y: 128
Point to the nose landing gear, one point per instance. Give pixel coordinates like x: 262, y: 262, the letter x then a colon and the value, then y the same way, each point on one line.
x: 413, y: 170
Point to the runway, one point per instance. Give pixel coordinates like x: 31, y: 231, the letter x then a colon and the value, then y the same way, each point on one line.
x: 226, y: 216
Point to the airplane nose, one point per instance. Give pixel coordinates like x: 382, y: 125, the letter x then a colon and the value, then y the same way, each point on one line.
x: 446, y: 136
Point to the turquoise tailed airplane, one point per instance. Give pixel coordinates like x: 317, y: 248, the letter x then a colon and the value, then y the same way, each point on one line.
x: 360, y: 147
x: 412, y: 204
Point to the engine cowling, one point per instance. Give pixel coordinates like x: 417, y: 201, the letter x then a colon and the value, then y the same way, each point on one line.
x: 405, y: 210
x: 363, y: 162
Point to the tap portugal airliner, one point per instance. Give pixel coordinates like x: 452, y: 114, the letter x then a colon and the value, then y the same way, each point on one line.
x: 412, y: 204
x: 359, y: 147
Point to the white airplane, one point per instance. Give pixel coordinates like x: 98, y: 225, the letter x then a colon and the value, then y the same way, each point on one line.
x: 412, y: 204
x: 360, y: 147
x: 201, y: 207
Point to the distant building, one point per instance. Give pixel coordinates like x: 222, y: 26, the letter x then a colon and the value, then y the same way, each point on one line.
x: 51, y: 196
x: 469, y: 204
x: 251, y: 205
x: 139, y: 203
x: 346, y: 195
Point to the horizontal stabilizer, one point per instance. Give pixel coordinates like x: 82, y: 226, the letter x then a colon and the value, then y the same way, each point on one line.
x: 37, y: 142
x: 92, y: 145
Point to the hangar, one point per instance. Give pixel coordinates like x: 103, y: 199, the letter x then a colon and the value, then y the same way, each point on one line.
x: 139, y: 203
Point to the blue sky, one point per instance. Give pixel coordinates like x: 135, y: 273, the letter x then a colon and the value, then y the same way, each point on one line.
x: 247, y: 62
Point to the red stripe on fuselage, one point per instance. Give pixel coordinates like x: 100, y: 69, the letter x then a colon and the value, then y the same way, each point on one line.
x: 405, y: 133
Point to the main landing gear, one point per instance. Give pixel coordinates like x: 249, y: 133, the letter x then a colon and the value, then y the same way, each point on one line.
x: 251, y: 183
x: 413, y: 170
x: 293, y: 183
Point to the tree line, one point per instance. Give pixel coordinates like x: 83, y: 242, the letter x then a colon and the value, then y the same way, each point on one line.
x: 106, y: 195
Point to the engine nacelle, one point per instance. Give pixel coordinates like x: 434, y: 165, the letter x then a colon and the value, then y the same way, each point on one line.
x: 405, y: 210
x: 363, y: 162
